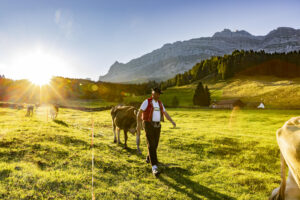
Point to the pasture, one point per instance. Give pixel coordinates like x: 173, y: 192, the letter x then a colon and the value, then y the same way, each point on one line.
x: 275, y: 92
x: 212, y: 154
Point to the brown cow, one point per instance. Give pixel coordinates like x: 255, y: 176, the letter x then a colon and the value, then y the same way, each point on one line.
x: 288, y: 138
x: 124, y: 117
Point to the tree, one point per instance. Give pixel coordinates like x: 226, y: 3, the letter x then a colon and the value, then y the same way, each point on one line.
x: 207, y: 92
x: 199, y: 95
x: 175, y: 101
x: 180, y: 80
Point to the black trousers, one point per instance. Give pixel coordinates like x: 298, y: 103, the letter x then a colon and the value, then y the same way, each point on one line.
x: 152, y: 136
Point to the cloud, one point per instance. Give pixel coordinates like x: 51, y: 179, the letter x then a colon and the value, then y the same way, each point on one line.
x: 64, y: 20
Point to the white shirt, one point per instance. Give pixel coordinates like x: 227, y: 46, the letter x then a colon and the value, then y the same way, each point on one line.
x: 156, y: 111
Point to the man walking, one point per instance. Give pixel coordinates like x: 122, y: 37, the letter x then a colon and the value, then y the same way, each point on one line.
x: 152, y: 112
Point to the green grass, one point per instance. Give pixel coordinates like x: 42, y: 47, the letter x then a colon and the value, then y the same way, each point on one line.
x: 212, y: 154
x: 274, y: 92
x: 183, y: 93
x: 92, y: 103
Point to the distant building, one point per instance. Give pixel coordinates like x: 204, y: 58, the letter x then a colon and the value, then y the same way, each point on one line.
x: 261, y: 106
x: 227, y: 104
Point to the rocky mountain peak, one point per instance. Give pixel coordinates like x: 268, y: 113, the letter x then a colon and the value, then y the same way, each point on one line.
x: 228, y: 33
x: 116, y: 63
x: 283, y: 32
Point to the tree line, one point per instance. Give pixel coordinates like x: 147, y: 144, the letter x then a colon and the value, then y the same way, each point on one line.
x: 285, y: 65
x: 68, y: 88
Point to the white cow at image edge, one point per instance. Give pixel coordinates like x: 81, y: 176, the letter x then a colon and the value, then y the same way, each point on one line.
x: 288, y: 138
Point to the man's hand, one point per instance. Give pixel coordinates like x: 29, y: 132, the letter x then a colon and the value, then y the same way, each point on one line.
x: 170, y: 119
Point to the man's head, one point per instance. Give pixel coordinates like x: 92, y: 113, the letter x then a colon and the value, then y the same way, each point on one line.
x: 156, y: 92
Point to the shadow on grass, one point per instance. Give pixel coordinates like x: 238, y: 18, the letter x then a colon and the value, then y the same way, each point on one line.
x: 60, y: 122
x: 130, y: 150
x: 13, y: 155
x: 133, y: 151
x: 5, y: 173
x: 177, y: 174
x: 69, y: 140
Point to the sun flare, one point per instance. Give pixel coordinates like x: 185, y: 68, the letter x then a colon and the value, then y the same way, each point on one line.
x: 39, y: 66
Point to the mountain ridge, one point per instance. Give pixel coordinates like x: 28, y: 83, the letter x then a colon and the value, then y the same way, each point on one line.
x: 173, y: 58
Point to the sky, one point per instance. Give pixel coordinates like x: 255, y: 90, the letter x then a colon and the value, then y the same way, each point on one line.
x: 83, y: 38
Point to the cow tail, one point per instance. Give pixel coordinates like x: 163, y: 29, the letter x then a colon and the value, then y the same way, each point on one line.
x: 280, y: 194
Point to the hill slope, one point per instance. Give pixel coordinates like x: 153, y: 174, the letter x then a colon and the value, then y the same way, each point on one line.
x: 274, y: 92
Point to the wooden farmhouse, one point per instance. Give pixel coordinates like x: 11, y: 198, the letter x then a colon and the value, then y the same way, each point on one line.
x: 227, y: 104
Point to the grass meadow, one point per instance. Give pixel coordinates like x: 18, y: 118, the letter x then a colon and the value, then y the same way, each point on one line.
x: 212, y: 154
x: 87, y: 103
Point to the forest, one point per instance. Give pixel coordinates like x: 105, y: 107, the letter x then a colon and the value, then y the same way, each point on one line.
x: 283, y: 65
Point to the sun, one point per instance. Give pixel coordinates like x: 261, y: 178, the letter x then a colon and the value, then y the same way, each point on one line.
x: 38, y: 66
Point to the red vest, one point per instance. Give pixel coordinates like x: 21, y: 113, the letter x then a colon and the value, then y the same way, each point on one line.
x: 147, y: 114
